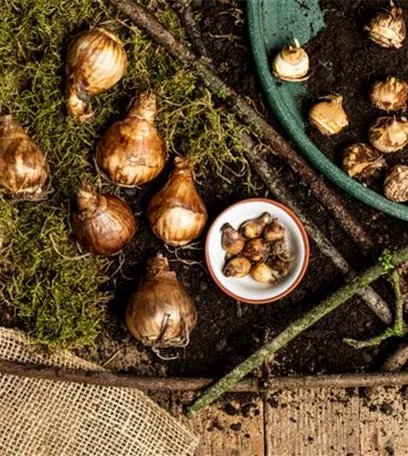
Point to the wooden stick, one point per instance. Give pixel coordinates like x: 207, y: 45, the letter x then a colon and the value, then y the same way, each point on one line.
x: 255, y: 385
x: 397, y: 360
x: 318, y: 185
x: 276, y: 185
x: 298, y: 327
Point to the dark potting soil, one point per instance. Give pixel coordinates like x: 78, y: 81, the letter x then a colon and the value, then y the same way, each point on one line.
x: 229, y: 331
x: 345, y: 61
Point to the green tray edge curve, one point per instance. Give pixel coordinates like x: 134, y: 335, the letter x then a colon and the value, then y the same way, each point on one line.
x: 280, y: 101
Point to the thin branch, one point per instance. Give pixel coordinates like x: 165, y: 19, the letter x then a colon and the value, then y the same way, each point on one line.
x: 397, y: 329
x: 318, y: 185
x: 296, y: 328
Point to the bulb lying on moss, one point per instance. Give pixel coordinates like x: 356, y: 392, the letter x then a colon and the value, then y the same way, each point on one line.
x: 328, y: 115
x: 237, y: 267
x: 387, y: 27
x: 131, y: 152
x: 177, y: 214
x: 362, y: 161
x: 231, y: 240
x: 256, y: 249
x: 254, y: 228
x: 396, y: 184
x: 96, y: 61
x: 388, y: 134
x: 103, y: 224
x: 390, y: 94
x: 292, y: 63
x: 262, y: 273
x: 161, y: 313
x: 24, y: 170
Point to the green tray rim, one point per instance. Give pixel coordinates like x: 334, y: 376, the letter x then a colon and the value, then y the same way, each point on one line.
x: 298, y: 135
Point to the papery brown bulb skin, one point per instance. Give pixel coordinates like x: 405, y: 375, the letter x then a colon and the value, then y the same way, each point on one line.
x: 274, y: 231
x: 131, y: 152
x: 103, y: 224
x: 161, y: 313
x: 262, y: 273
x: 237, y: 267
x: 388, y: 134
x: 232, y: 241
x: 253, y: 228
x: 328, y: 115
x: 177, y: 214
x: 390, y: 94
x: 256, y: 249
x: 96, y: 61
x: 396, y: 184
x: 24, y: 170
x: 362, y: 161
x: 387, y: 27
x: 280, y: 266
x: 292, y: 63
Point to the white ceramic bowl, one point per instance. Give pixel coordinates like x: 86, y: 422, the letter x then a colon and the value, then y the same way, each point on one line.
x: 246, y: 289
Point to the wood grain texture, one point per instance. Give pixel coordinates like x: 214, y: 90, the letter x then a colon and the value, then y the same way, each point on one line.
x: 227, y: 428
x: 322, y: 422
x: 384, y: 423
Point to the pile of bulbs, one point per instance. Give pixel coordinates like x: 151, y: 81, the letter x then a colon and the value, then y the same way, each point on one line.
x: 130, y: 153
x: 388, y: 133
x: 258, y: 248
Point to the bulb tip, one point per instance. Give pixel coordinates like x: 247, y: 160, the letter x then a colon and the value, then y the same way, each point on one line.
x: 145, y: 106
x: 156, y: 265
x: 86, y: 196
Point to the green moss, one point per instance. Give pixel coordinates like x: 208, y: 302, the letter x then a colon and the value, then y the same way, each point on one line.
x: 56, y: 295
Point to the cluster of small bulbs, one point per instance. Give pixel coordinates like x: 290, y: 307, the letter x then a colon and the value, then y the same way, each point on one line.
x: 258, y: 248
x: 387, y: 134
x: 129, y: 154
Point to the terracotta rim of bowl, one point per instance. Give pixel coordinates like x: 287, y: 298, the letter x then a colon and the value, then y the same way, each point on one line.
x: 298, y: 278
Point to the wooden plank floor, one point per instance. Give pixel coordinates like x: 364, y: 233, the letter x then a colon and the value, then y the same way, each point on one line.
x: 317, y: 422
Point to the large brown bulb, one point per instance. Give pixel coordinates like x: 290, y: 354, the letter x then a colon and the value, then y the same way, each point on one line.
x: 24, y: 170
x: 161, y: 313
x: 131, y: 152
x: 96, y: 61
x: 177, y: 214
x: 103, y: 224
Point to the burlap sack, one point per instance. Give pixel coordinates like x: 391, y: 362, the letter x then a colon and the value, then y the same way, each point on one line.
x: 46, y: 418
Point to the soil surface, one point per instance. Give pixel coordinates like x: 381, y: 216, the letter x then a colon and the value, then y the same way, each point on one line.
x: 229, y: 331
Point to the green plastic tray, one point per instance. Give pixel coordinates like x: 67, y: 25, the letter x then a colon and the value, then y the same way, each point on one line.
x: 271, y: 24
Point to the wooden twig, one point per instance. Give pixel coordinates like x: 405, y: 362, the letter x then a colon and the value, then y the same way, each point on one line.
x: 277, y: 186
x: 318, y: 185
x: 298, y: 327
x: 186, y: 14
x: 254, y: 385
x: 396, y: 330
x: 398, y: 359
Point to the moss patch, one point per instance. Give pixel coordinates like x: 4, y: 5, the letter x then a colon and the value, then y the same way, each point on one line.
x: 56, y: 296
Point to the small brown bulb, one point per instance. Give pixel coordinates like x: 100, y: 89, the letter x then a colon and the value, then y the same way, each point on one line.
x: 24, y: 170
x: 256, y: 249
x: 292, y: 63
x: 176, y: 213
x: 274, y: 231
x: 328, y: 115
x: 388, y: 134
x: 96, y: 61
x: 237, y: 267
x: 232, y: 241
x: 281, y: 266
x: 396, y: 184
x: 103, y: 224
x: 387, y: 27
x: 362, y: 161
x: 390, y: 94
x: 253, y: 228
x: 161, y: 313
x: 131, y: 152
x: 262, y: 273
